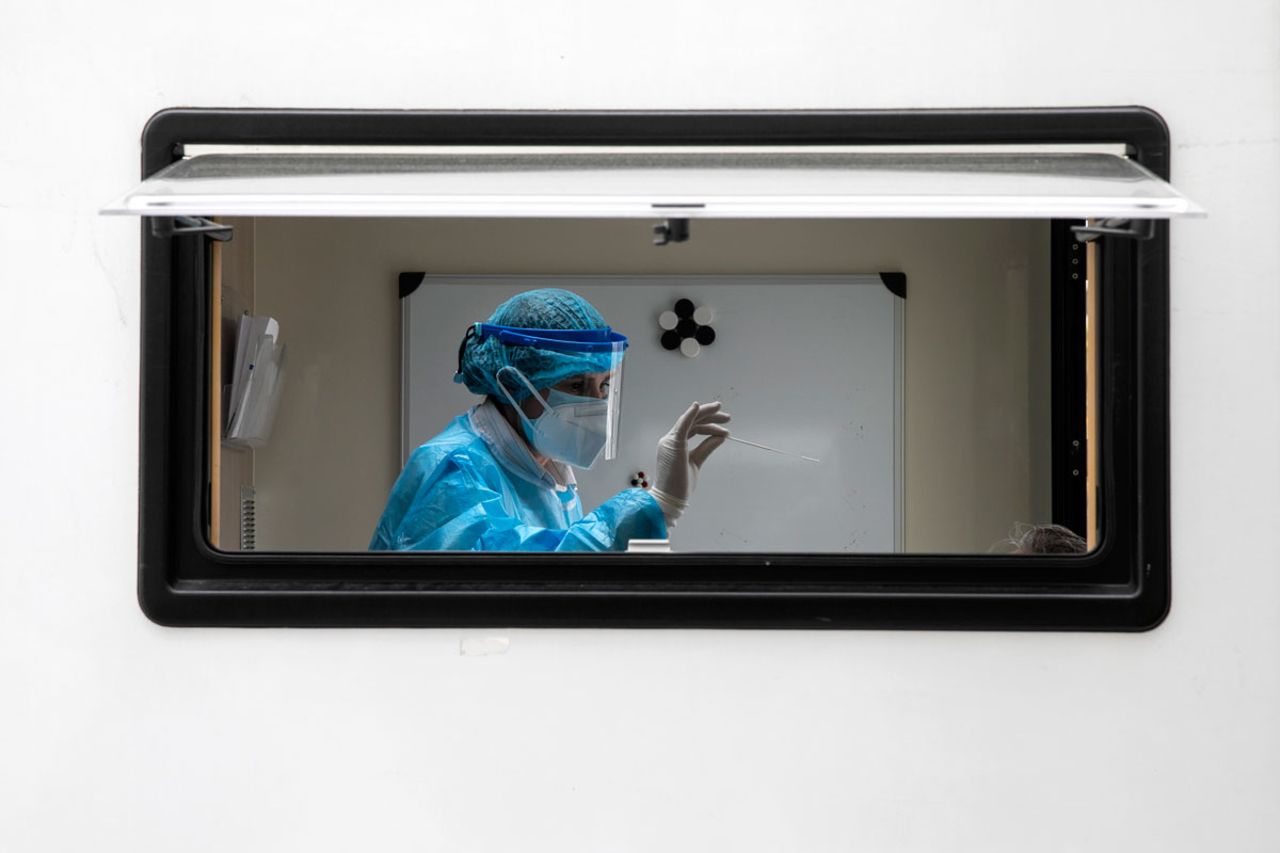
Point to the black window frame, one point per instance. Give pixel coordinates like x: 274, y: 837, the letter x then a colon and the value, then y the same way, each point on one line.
x: 1122, y: 586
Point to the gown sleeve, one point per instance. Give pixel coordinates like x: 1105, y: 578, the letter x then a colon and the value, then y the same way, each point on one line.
x: 459, y: 511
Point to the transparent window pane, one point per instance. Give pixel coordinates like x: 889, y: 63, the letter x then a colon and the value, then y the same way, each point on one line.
x: 931, y: 414
x: 791, y: 184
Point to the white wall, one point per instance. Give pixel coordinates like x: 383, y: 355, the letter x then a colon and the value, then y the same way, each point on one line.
x: 116, y: 734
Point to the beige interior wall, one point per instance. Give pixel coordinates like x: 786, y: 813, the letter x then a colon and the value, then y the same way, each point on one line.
x: 977, y: 350
x: 237, y: 299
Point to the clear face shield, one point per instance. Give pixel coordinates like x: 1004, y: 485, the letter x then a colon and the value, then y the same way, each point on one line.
x: 580, y: 412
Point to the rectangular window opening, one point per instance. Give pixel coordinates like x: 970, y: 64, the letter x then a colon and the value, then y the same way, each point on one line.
x: 922, y: 319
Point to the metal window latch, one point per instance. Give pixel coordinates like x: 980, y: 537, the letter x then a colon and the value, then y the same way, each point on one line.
x: 671, y: 231
x: 1139, y: 229
x: 180, y: 226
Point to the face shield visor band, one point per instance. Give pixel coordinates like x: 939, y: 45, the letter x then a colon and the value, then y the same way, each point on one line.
x: 560, y: 340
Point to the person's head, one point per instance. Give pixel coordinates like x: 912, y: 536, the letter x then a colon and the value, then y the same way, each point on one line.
x: 509, y: 360
x: 482, y: 357
x: 1046, y: 539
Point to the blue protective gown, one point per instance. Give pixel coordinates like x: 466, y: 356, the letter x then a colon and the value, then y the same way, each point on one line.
x: 466, y: 490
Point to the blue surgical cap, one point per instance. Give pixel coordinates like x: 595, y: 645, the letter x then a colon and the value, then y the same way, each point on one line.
x: 546, y: 308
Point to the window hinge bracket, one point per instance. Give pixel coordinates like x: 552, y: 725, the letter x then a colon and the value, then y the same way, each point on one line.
x: 671, y: 231
x: 180, y: 226
x: 1140, y: 229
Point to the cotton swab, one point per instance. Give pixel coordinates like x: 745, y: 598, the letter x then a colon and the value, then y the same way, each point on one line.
x: 771, y: 449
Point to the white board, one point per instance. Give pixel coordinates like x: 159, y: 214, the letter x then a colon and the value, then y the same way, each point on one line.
x: 808, y: 364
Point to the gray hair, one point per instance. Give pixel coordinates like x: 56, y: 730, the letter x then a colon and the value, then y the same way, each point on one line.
x: 1046, y: 539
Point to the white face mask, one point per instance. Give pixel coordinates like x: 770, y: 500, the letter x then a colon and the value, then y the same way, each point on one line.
x: 571, y: 429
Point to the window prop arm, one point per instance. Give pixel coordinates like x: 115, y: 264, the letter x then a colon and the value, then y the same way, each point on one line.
x: 1141, y: 229
x: 179, y: 226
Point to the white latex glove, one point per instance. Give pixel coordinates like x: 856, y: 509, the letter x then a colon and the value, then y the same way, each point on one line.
x: 676, y: 472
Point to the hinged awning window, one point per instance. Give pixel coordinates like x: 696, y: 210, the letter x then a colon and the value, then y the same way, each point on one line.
x: 709, y: 183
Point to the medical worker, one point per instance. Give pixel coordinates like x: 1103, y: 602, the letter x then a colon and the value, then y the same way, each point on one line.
x: 500, y: 477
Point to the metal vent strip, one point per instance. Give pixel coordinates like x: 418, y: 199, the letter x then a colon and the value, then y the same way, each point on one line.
x: 248, y: 518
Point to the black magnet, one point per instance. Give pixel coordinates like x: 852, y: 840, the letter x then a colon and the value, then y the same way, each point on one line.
x: 684, y: 308
x: 671, y: 340
x: 705, y: 335
x: 686, y: 327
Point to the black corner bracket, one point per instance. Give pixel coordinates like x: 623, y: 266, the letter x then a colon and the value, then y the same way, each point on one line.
x: 896, y: 282
x: 410, y: 281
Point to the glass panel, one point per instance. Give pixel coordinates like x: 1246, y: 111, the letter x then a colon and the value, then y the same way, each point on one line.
x: 629, y: 184
x: 929, y: 415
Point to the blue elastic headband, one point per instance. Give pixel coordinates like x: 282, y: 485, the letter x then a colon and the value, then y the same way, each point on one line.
x: 563, y: 340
